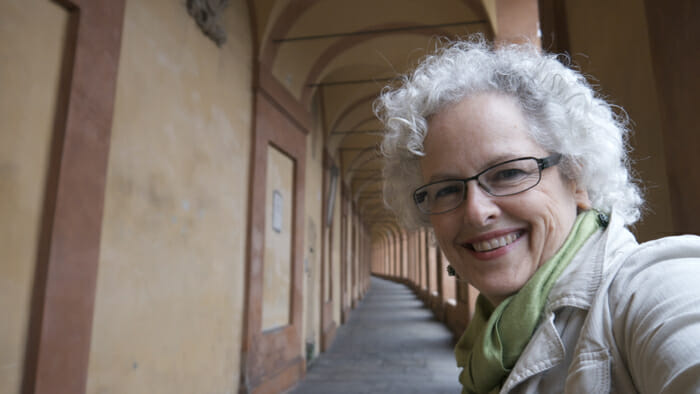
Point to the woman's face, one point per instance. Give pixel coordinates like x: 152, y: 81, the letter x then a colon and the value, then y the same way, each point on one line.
x: 463, y: 140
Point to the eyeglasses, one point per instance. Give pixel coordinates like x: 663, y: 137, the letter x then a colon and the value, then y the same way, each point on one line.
x: 503, y: 179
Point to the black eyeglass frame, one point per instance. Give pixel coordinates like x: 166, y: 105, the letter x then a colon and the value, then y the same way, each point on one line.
x: 542, y: 164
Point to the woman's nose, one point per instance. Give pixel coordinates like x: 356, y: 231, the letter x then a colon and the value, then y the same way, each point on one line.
x: 479, y: 207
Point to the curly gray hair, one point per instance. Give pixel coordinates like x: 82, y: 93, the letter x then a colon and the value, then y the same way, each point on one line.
x: 564, y: 113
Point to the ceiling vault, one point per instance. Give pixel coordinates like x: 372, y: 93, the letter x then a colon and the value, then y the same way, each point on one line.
x: 350, y: 82
x: 335, y: 57
x: 377, y: 31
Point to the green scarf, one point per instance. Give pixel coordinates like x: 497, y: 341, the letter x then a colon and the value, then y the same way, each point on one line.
x: 495, y: 338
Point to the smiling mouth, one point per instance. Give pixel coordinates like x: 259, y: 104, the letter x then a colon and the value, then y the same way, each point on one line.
x: 495, y: 243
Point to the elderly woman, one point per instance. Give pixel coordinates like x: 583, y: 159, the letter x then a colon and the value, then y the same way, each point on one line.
x: 522, y: 172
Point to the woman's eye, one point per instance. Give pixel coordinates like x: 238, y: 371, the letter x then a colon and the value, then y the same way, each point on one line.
x: 447, y: 191
x: 509, y: 174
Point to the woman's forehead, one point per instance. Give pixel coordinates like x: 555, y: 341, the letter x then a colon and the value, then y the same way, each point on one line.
x: 484, y: 123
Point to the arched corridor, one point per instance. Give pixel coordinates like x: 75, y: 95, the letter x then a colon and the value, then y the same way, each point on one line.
x: 191, y: 190
x: 391, y: 343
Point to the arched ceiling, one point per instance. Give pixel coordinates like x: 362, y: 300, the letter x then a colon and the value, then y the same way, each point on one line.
x: 340, y: 54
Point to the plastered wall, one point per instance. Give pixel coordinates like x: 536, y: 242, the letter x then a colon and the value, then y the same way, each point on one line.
x: 336, y: 252
x: 490, y: 7
x: 277, y: 259
x: 326, y: 295
x: 609, y: 41
x: 314, y: 232
x: 347, y: 301
x: 32, y: 35
x: 170, y: 286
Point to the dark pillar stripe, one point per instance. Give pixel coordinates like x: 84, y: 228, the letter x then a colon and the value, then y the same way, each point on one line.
x: 58, y: 344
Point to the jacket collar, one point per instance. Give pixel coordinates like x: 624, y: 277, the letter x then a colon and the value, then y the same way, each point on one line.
x: 580, y: 281
x: 576, y: 287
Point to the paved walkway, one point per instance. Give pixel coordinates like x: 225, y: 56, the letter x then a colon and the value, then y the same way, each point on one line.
x: 390, y: 344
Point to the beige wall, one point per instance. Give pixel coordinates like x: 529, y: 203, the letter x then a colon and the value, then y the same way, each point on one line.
x: 517, y: 21
x: 348, y: 255
x: 609, y: 40
x: 170, y: 287
x: 326, y: 262
x: 337, y: 302
x: 277, y: 256
x: 314, y: 231
x: 490, y: 7
x: 32, y: 35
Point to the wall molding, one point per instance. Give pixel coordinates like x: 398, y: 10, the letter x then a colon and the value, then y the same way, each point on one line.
x: 60, y: 328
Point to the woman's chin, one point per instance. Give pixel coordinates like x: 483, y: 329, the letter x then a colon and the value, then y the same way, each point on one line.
x: 501, y: 284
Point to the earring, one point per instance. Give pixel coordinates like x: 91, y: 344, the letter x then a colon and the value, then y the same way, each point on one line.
x: 603, y: 220
x: 451, y: 271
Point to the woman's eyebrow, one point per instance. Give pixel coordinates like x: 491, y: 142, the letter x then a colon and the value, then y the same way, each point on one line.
x: 443, y: 176
x: 501, y: 159
x: 440, y: 176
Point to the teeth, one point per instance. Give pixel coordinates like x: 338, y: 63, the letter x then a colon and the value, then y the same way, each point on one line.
x: 494, y: 243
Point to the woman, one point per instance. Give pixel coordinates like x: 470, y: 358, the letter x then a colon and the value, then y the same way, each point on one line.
x: 522, y: 173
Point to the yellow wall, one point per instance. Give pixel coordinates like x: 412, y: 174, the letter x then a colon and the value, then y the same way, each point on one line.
x: 348, y: 256
x: 32, y: 34
x: 277, y: 257
x: 314, y: 231
x: 614, y: 39
x: 490, y: 7
x: 336, y: 253
x: 326, y: 264
x: 327, y: 249
x: 169, y: 302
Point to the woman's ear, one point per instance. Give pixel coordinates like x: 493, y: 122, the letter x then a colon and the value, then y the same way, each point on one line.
x: 583, y: 202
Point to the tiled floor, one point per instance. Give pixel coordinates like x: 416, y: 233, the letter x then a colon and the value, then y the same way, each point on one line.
x: 390, y: 344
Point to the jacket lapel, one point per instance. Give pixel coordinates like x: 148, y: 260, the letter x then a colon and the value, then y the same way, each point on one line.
x: 576, y: 288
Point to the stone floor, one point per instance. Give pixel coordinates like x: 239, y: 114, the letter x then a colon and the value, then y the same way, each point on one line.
x: 390, y: 344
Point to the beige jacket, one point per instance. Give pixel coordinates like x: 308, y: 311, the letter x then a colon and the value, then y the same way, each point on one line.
x: 622, y: 318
